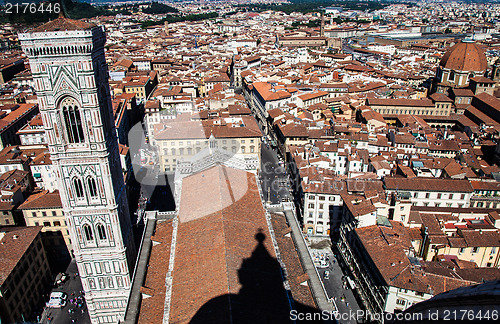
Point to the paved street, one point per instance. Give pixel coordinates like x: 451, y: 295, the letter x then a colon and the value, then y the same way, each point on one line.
x: 335, y: 288
x: 274, y: 179
x: 70, y: 313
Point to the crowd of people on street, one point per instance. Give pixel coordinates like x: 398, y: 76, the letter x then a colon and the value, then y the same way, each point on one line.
x: 76, y: 304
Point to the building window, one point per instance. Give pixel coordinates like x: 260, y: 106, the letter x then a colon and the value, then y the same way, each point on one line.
x: 54, y: 213
x: 101, y: 231
x: 92, y: 187
x: 311, y: 205
x: 57, y: 223
x: 73, y: 120
x: 461, y: 250
x: 78, y: 187
x: 401, y: 301
x: 46, y: 224
x: 33, y: 214
x: 252, y: 149
x: 475, y: 249
x: 88, y: 232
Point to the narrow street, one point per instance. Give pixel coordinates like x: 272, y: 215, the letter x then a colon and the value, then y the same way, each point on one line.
x: 72, y: 312
x: 275, y: 183
x: 337, y: 287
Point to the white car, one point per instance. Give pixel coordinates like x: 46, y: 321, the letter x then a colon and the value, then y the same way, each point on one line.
x: 57, y: 299
x: 61, y: 278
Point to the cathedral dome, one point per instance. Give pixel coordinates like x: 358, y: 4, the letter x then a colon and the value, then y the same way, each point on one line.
x: 465, y: 56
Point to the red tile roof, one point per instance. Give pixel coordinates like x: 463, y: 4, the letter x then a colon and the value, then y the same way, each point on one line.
x: 13, y: 245
x: 427, y: 184
x: 220, y: 214
x: 41, y: 200
x: 61, y: 24
x: 465, y: 56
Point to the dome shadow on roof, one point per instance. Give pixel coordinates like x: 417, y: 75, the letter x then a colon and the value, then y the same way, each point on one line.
x: 465, y: 56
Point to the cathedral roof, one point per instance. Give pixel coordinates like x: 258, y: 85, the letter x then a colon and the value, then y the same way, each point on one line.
x: 63, y: 23
x: 465, y: 56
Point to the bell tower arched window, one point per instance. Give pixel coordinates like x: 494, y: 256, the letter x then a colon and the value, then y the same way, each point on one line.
x: 78, y: 187
x: 88, y: 232
x: 92, y: 187
x: 101, y: 231
x: 72, y: 120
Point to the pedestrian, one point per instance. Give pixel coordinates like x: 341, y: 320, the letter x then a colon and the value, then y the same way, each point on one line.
x: 347, y: 304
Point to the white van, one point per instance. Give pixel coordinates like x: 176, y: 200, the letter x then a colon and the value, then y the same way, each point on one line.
x: 57, y: 299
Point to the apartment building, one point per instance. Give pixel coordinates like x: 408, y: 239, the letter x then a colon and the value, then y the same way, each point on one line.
x: 388, y: 274
x: 267, y: 96
x: 468, y: 234
x: 43, y: 171
x: 437, y: 105
x: 486, y: 194
x: 308, y: 99
x: 13, y: 117
x: 14, y: 187
x: 431, y: 192
x: 322, y: 206
x: 478, y: 245
x: 33, y: 132
x: 44, y: 208
x: 25, y: 274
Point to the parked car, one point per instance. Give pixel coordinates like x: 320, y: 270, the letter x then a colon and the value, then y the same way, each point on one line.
x: 61, y: 278
x: 57, y: 299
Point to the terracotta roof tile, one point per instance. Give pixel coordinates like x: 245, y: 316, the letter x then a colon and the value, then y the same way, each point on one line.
x: 14, y: 244
x: 61, y: 24
x: 465, y: 56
